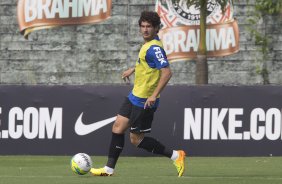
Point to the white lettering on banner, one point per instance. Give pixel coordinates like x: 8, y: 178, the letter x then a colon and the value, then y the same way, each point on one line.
x: 159, y: 55
x: 181, y: 41
x: 206, y: 123
x: 235, y: 124
x: 192, y: 124
x: 217, y: 124
x: 257, y: 131
x: 38, y: 9
x: 32, y: 123
x: 52, y: 124
x: 227, y: 124
x: 272, y: 128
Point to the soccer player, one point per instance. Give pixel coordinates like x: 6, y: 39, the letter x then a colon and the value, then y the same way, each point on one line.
x: 152, y: 73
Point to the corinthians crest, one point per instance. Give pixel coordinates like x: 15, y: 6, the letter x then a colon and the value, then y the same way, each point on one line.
x: 180, y: 29
x: 176, y: 12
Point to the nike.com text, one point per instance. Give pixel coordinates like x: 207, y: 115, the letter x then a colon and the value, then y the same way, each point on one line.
x: 33, y: 123
x: 227, y: 124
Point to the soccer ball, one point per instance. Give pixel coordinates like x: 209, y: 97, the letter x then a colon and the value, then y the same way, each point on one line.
x: 81, y: 163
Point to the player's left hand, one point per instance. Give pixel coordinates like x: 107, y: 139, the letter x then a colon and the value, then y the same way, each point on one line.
x: 150, y: 102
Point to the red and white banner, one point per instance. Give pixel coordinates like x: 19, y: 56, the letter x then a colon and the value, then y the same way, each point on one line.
x: 42, y: 14
x: 182, y: 42
x: 180, y: 31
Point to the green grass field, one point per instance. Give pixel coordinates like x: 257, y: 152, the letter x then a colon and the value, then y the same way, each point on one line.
x: 141, y: 170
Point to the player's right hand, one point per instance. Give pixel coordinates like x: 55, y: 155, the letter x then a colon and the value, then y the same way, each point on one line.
x: 125, y: 75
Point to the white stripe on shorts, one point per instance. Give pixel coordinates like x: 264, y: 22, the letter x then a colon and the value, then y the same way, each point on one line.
x: 149, y: 129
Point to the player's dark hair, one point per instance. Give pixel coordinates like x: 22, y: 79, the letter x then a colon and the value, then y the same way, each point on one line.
x: 151, y: 17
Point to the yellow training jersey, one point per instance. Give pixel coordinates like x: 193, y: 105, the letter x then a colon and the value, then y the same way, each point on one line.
x: 152, y: 58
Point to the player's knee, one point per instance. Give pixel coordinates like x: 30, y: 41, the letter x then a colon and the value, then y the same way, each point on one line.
x: 115, y: 127
x: 119, y: 127
x: 135, y: 139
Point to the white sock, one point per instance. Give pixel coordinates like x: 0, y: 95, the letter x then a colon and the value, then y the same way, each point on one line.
x: 174, y: 155
x: 109, y: 170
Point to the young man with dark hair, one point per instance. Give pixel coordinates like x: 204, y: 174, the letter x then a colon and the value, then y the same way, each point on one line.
x: 152, y: 73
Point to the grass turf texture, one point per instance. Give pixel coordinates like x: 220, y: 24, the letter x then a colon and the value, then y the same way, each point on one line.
x: 140, y: 170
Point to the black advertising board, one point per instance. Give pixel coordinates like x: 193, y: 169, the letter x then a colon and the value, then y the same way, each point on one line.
x: 202, y: 120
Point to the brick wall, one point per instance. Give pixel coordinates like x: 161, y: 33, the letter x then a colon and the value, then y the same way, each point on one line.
x: 97, y: 54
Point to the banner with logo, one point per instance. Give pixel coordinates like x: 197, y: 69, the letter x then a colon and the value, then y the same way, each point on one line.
x: 42, y: 14
x: 180, y: 31
x: 202, y: 120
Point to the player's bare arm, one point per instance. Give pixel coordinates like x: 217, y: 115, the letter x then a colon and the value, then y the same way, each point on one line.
x: 127, y: 73
x: 165, y: 77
